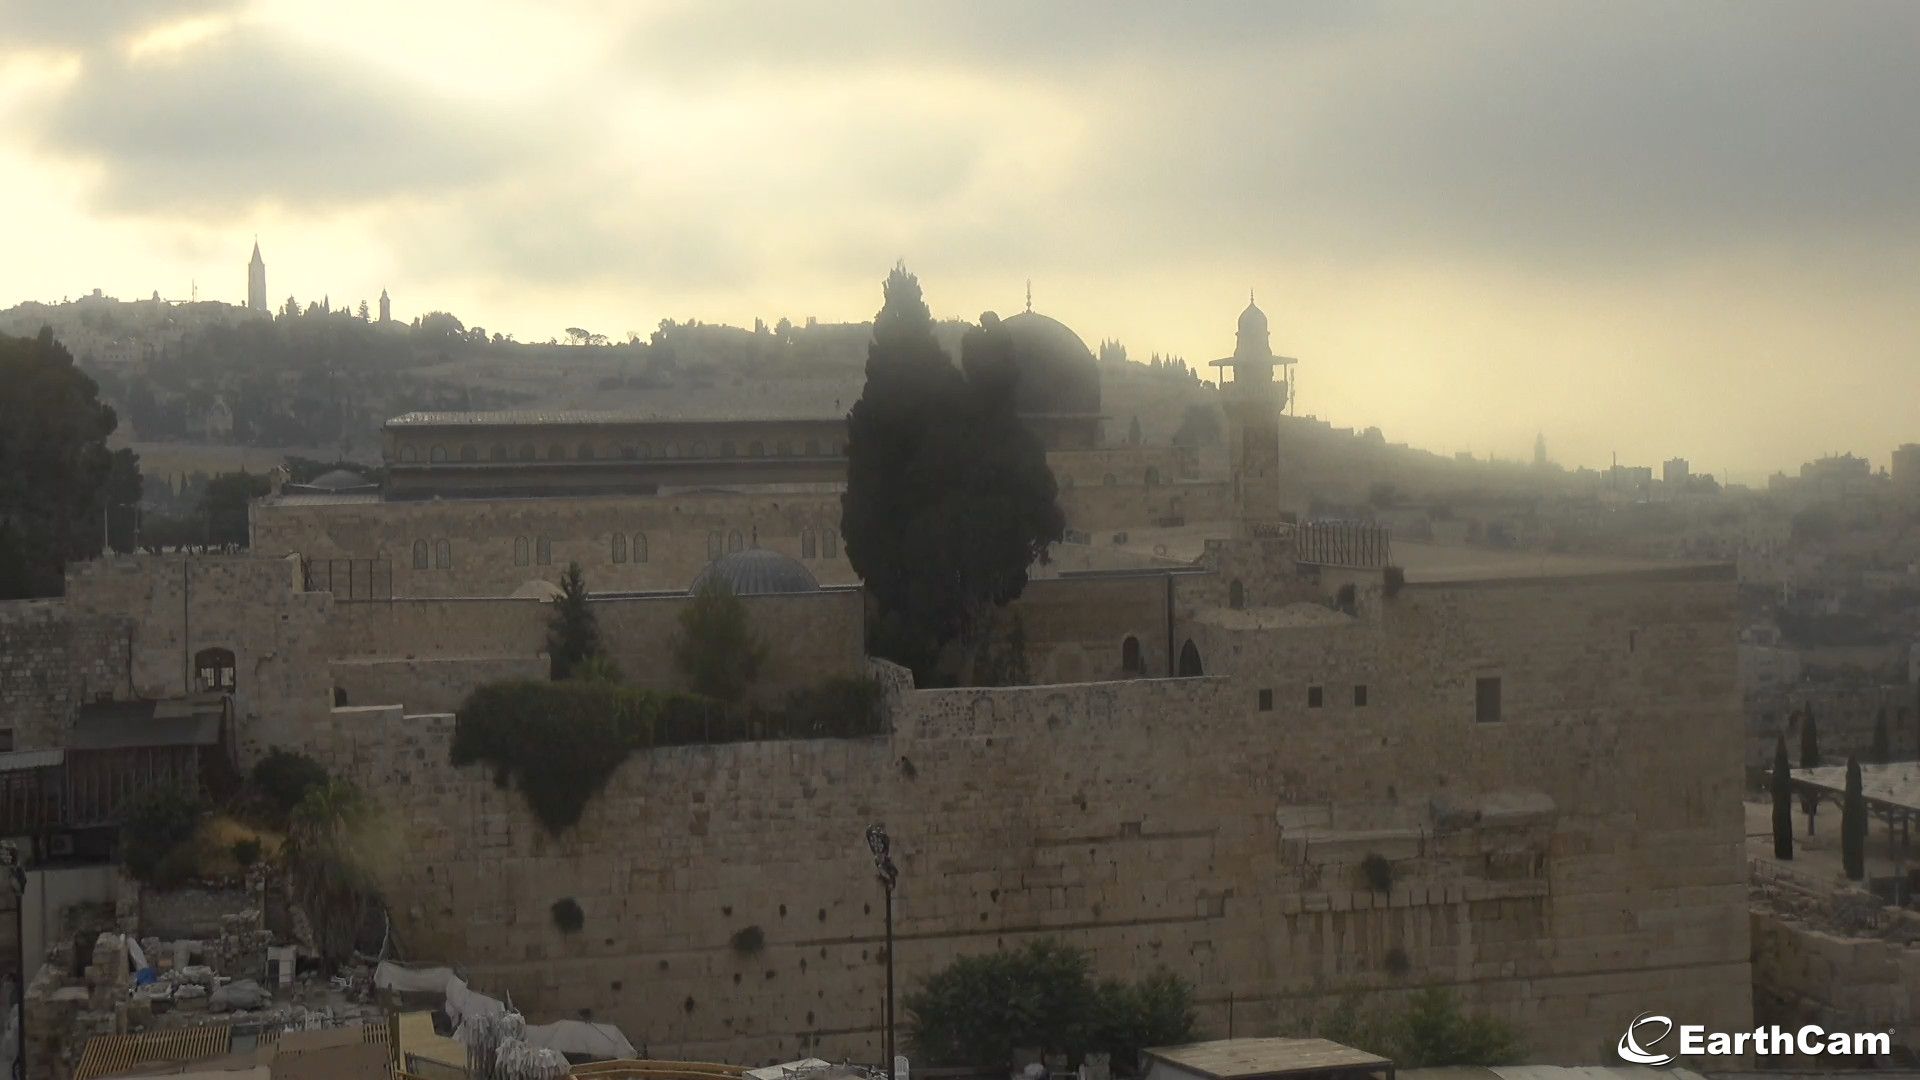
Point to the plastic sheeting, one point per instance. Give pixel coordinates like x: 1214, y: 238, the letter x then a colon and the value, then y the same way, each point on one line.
x: 581, y: 1037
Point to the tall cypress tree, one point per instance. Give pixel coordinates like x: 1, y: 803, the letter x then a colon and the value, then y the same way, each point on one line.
x: 1853, y: 825
x: 1782, y: 802
x: 1882, y: 740
x: 572, y: 632
x: 1809, y: 740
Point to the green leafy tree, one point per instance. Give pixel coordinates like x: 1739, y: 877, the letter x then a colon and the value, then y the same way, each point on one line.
x: 949, y: 499
x: 158, y: 822
x: 1853, y: 824
x: 280, y: 781
x: 336, y: 846
x: 55, y: 468
x: 224, y: 506
x: 1782, y: 802
x: 1882, y: 739
x: 1432, y: 1031
x: 978, y: 1009
x: 717, y: 650
x: 573, y: 634
x: 596, y: 668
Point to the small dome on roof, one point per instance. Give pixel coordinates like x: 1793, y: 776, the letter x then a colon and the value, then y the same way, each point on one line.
x: 757, y: 572
x: 338, y: 480
x: 1253, y: 320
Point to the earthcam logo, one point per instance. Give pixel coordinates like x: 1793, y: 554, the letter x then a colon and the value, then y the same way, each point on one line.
x: 1640, y: 1044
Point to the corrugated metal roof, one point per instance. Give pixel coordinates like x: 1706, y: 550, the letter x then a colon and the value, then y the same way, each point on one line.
x: 586, y: 418
x: 119, y: 725
x: 20, y: 760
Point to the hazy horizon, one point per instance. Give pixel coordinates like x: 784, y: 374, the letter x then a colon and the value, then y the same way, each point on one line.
x: 1657, y: 231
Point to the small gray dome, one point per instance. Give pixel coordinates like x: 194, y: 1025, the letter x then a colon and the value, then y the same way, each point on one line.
x: 757, y: 571
x: 338, y: 480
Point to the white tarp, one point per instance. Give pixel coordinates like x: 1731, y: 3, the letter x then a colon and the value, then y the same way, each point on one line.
x: 788, y: 1068
x: 463, y: 1002
x: 411, y: 980
x: 580, y: 1037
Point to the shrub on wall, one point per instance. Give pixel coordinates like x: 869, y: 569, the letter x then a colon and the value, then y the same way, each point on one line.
x: 159, y: 822
x: 567, y: 915
x: 559, y: 742
x: 1429, y: 1031
x: 280, y: 781
x: 749, y: 940
x: 1377, y: 871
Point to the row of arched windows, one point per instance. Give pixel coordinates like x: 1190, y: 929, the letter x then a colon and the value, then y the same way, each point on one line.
x: 622, y: 550
x: 726, y: 448
x: 538, y: 552
x: 437, y: 555
x: 822, y: 545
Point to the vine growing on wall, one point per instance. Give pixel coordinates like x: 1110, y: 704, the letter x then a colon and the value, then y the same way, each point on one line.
x: 560, y: 742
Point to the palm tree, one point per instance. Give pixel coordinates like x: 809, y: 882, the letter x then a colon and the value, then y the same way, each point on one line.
x: 333, y: 843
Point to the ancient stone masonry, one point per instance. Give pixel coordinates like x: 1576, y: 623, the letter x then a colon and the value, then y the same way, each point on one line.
x: 52, y: 660
x: 1230, y: 834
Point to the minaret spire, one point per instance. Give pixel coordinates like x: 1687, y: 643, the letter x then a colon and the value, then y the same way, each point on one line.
x: 1029, y: 294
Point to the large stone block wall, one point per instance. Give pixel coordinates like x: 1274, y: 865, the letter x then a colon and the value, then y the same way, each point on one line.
x: 1097, y: 507
x: 1806, y: 975
x: 52, y: 661
x: 428, y: 685
x: 680, y: 532
x: 1570, y: 866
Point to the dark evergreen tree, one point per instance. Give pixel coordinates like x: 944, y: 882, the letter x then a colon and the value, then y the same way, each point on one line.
x: 1853, y: 825
x: 1809, y: 741
x: 949, y: 498
x: 1882, y: 740
x: 1782, y: 802
x: 573, y: 635
x: 55, y: 470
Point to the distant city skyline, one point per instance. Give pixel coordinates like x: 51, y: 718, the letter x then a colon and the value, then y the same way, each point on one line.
x: 1636, y: 228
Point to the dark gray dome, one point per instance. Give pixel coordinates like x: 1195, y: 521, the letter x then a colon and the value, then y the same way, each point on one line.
x: 1058, y: 375
x: 756, y: 572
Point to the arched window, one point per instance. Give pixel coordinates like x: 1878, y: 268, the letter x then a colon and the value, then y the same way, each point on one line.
x: 1236, y: 595
x: 438, y: 453
x: 1131, y: 661
x: 619, y: 547
x: 629, y: 452
x: 735, y: 541
x: 1153, y: 476
x: 780, y: 447
x: 697, y: 450
x: 726, y: 448
x: 522, y: 551
x: 498, y: 452
x: 715, y: 546
x: 527, y: 452
x: 1190, y: 660
x: 645, y: 451
x: 813, y: 447
x: 639, y: 547
x: 1108, y: 480
x: 442, y: 555
x: 469, y: 452
x: 807, y: 550
x: 829, y: 544
x: 419, y: 554
x: 214, y: 668
x: 543, y: 551
x: 407, y: 454
x: 556, y: 452
x: 584, y: 452
x: 756, y: 448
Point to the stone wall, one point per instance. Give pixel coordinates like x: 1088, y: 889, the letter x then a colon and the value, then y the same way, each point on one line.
x: 1187, y: 822
x: 1097, y: 507
x: 52, y: 661
x: 429, y: 685
x: 494, y: 545
x: 1807, y: 975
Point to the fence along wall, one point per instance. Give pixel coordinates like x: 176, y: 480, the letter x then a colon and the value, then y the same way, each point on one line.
x: 1569, y: 866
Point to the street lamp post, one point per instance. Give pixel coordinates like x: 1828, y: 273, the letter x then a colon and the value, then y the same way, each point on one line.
x: 17, y: 880
x: 878, y: 843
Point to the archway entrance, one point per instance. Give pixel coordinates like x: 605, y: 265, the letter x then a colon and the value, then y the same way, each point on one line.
x: 1190, y: 660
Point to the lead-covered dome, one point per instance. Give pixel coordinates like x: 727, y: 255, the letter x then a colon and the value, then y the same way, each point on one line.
x: 1058, y: 374
x: 757, y: 572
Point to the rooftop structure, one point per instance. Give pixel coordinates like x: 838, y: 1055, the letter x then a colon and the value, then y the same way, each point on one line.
x: 1262, y: 1059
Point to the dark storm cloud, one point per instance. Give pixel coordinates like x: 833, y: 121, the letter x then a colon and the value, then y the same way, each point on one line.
x: 83, y: 24
x: 246, y: 119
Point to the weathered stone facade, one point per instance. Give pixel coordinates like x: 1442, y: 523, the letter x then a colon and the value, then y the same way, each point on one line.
x: 1570, y: 864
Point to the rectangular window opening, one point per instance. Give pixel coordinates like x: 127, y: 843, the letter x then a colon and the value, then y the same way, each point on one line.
x: 1266, y: 701
x: 1360, y: 695
x: 1314, y: 697
x: 1486, y: 699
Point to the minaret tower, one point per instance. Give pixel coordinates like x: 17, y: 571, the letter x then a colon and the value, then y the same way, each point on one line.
x: 1252, y: 401
x: 386, y: 307
x: 257, y: 280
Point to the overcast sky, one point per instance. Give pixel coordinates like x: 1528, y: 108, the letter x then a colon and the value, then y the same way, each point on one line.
x: 1658, y: 229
